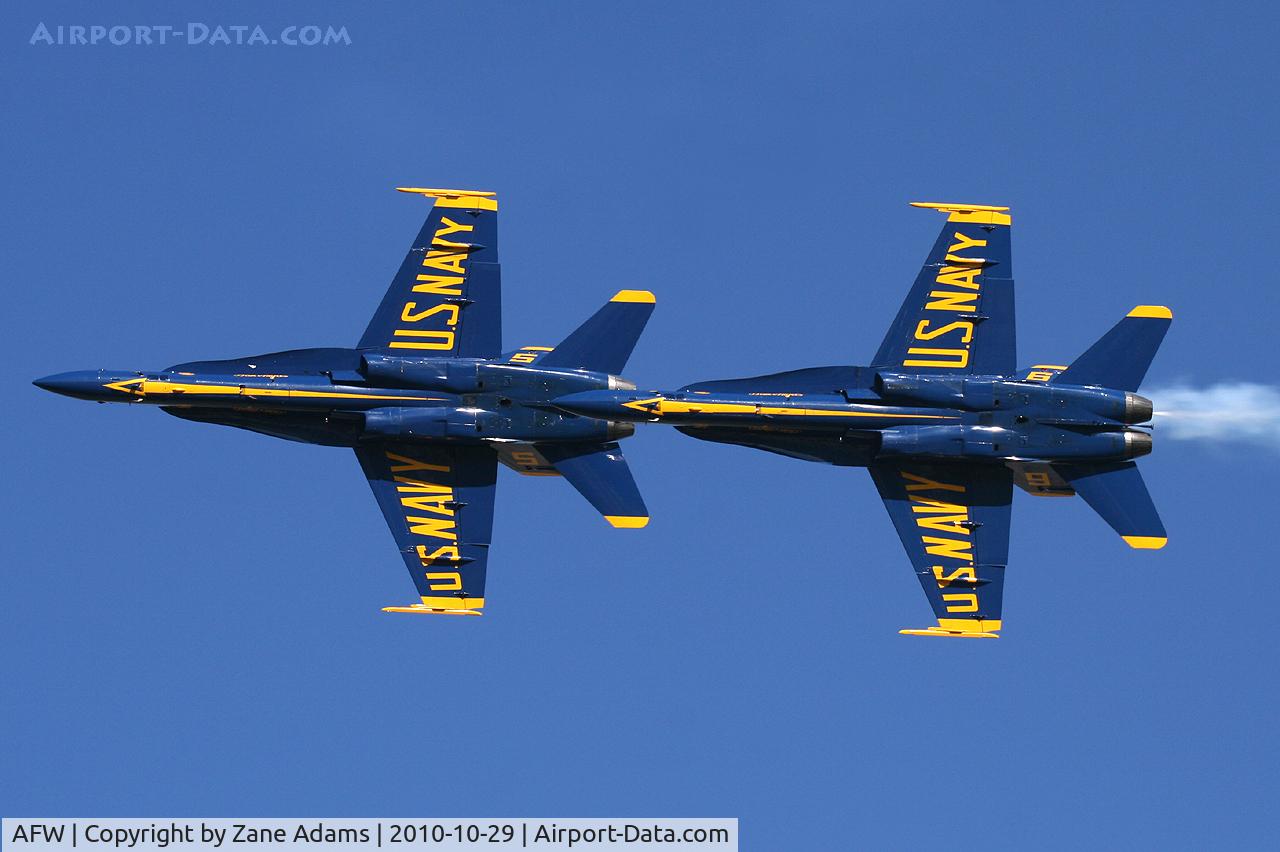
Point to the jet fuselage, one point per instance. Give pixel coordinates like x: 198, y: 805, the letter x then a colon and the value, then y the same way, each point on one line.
x: 853, y: 415
x: 344, y: 397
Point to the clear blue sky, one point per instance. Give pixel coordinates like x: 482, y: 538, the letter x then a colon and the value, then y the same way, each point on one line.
x: 191, y: 613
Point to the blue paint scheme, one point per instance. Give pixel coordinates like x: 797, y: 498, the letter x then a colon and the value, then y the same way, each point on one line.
x: 480, y: 290
x: 426, y: 401
x: 1121, y: 357
x: 986, y: 500
x: 471, y: 479
x: 946, y: 441
x: 605, y: 341
x: 993, y: 345
x: 1117, y: 493
x: 601, y: 474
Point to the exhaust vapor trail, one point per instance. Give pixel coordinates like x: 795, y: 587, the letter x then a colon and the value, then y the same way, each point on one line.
x: 1233, y: 411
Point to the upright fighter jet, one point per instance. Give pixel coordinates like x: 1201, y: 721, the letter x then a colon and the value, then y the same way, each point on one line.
x: 427, y: 401
x: 945, y: 421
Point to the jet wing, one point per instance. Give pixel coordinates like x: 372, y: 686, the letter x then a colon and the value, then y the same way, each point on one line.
x: 954, y: 523
x: 958, y: 317
x: 438, y: 502
x: 445, y: 300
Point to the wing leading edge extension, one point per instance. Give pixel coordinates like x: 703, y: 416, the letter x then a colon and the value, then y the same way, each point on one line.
x: 954, y: 523
x: 438, y: 502
x: 958, y: 317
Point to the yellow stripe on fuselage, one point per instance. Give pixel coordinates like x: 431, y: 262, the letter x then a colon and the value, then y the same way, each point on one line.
x: 662, y: 407
x: 149, y: 387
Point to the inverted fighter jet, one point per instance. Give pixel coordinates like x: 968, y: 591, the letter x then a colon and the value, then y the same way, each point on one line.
x: 946, y: 422
x: 428, y: 401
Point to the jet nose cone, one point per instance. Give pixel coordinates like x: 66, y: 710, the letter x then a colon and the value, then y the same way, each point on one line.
x: 70, y: 384
x: 99, y: 385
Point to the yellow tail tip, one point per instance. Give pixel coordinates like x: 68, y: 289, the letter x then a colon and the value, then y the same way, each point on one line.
x: 1145, y: 542
x: 1153, y: 311
x: 643, y: 296
x: 627, y: 522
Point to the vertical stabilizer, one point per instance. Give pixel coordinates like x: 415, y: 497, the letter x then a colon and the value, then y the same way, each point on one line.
x: 604, y: 342
x: 1120, y: 359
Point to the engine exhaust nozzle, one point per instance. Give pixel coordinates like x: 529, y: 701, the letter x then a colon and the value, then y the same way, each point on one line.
x: 1136, y: 443
x: 1137, y: 409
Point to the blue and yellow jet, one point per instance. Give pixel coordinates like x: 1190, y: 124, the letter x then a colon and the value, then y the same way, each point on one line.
x: 428, y: 401
x: 946, y: 422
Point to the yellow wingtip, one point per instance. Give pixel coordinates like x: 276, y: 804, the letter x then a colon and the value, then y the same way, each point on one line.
x: 981, y: 214
x: 951, y: 208
x: 1145, y: 542
x: 938, y: 631
x: 446, y: 193
x: 419, y: 609
x: 1153, y: 311
x: 973, y: 628
x: 471, y: 199
x: 643, y: 296
x: 627, y: 522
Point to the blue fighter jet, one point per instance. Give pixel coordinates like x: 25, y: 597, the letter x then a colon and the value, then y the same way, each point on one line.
x: 946, y: 422
x: 428, y: 401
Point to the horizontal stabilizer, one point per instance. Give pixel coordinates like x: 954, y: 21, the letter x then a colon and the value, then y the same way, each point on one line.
x: 1117, y: 493
x: 600, y: 473
x: 1120, y: 359
x: 604, y: 342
